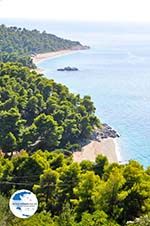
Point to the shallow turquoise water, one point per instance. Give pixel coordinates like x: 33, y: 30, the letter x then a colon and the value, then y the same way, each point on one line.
x: 116, y: 73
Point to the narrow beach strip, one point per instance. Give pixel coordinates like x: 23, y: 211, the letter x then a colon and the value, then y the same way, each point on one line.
x: 50, y: 55
x: 107, y: 147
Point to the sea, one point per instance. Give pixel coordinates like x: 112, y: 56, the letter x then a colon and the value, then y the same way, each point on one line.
x: 115, y: 72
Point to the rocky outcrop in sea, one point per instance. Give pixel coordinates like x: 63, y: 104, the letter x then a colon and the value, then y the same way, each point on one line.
x: 68, y: 69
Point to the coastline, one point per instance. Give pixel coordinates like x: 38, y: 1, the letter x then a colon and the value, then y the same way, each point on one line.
x: 51, y: 55
x: 108, y: 147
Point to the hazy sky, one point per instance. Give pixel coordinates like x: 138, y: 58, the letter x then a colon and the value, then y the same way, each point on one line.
x: 86, y: 10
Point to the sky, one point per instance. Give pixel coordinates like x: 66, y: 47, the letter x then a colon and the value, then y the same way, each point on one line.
x: 77, y: 10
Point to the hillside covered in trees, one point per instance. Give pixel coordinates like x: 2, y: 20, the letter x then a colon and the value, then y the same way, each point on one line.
x: 37, y: 113
x: 17, y: 44
x: 44, y: 122
x: 41, y: 123
x: 72, y: 194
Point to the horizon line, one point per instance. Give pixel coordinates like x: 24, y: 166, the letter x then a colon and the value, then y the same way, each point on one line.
x: 77, y: 21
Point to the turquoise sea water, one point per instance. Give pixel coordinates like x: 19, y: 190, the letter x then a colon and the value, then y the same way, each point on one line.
x: 115, y: 72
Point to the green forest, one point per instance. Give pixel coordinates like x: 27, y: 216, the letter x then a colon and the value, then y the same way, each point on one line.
x: 37, y: 113
x: 72, y: 194
x: 41, y: 124
x: 18, y: 45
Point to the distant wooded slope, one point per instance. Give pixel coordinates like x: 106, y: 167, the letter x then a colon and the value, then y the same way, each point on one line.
x: 17, y: 44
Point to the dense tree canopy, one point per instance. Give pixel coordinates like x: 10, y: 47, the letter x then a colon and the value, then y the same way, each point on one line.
x: 69, y: 194
x: 38, y: 113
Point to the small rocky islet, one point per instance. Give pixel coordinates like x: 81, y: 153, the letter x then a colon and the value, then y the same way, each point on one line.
x: 68, y: 69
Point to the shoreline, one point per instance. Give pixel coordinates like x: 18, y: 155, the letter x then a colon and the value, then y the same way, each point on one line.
x: 108, y: 147
x: 51, y: 55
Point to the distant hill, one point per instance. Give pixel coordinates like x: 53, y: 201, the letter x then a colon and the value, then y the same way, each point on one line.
x: 17, y: 44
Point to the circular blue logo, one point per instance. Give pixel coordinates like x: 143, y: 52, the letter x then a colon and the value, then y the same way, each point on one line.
x: 23, y: 203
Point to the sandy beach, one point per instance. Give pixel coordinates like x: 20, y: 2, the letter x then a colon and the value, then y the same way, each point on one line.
x: 107, y: 147
x: 49, y: 55
x: 44, y: 56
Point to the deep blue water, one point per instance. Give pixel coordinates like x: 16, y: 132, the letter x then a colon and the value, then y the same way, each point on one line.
x: 115, y: 72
